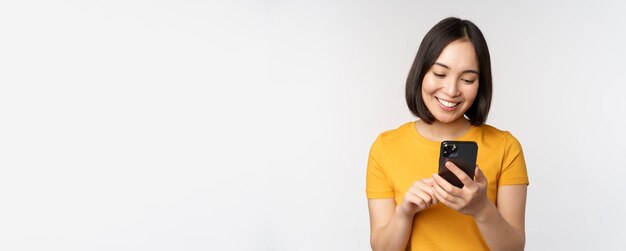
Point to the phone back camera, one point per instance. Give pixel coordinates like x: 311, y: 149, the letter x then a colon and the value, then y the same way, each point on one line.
x: 450, y: 150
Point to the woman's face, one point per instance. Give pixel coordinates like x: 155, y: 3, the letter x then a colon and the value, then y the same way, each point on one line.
x: 451, y: 84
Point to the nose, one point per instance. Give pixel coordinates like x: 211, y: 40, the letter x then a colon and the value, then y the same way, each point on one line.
x: 451, y: 88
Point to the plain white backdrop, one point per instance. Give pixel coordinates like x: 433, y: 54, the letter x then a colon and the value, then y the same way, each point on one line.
x: 245, y: 125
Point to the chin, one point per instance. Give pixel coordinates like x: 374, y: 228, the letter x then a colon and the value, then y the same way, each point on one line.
x: 447, y: 119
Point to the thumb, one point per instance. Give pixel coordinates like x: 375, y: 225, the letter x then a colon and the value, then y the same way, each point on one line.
x: 480, y: 176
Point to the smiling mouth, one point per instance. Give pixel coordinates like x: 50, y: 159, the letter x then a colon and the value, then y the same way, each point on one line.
x: 447, y: 103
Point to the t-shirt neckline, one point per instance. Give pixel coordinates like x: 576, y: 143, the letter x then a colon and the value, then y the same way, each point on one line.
x: 468, y: 136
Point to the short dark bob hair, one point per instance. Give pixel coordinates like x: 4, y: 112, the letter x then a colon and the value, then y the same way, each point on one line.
x: 442, y: 34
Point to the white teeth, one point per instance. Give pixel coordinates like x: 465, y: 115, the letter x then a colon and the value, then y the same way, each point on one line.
x: 446, y: 103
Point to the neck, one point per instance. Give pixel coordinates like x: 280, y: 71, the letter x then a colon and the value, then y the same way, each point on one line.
x: 438, y: 131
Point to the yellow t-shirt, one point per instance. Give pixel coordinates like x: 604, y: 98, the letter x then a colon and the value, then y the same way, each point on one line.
x: 402, y: 156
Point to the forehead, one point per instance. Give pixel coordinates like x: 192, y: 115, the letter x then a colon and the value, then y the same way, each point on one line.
x: 459, y: 55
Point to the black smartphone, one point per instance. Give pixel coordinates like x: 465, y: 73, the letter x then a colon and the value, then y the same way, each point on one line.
x: 462, y: 154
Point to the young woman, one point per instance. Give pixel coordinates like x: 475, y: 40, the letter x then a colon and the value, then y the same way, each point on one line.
x: 412, y: 207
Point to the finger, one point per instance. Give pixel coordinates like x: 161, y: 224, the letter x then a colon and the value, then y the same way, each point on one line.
x: 480, y: 176
x: 417, y: 200
x: 424, y: 188
x: 425, y: 197
x: 445, y: 185
x: 443, y: 195
x: 432, y: 195
x: 458, y: 173
x: 424, y: 185
x: 429, y: 181
x: 443, y: 200
x: 427, y: 187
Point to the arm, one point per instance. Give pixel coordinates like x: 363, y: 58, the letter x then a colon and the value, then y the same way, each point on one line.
x: 502, y: 227
x: 391, y: 225
x: 389, y: 231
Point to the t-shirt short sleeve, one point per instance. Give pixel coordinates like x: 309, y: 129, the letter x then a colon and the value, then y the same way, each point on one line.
x: 377, y: 185
x: 513, y: 164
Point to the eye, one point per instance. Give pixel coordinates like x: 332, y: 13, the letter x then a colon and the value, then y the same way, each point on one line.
x: 468, y: 81
x: 439, y: 75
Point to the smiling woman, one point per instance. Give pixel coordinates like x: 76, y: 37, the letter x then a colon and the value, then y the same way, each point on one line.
x: 449, y: 90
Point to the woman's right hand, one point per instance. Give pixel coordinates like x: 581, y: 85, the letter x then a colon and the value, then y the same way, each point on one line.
x: 420, y: 196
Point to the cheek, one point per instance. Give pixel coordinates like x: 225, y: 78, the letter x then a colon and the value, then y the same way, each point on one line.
x: 471, y: 92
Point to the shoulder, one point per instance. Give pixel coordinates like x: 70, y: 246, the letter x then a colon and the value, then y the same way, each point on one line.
x: 492, y: 134
x: 396, y: 134
x: 390, y: 138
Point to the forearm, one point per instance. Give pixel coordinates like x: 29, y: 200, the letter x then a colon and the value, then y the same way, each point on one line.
x: 497, y: 232
x: 393, y: 236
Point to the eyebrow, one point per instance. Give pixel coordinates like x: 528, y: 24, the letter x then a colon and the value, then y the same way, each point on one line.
x: 465, y: 71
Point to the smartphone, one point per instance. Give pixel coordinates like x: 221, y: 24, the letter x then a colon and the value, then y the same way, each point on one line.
x: 462, y: 154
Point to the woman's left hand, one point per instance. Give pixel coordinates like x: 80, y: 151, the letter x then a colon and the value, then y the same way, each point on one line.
x: 471, y: 199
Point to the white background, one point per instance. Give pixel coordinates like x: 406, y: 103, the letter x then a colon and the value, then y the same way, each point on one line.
x: 184, y: 125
